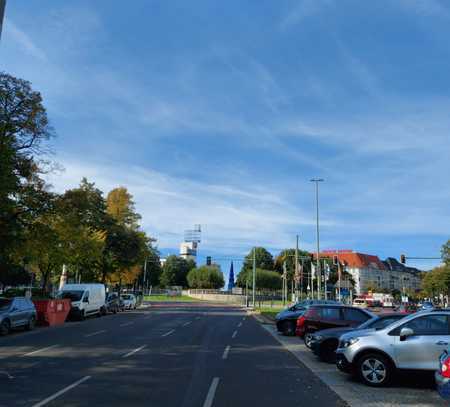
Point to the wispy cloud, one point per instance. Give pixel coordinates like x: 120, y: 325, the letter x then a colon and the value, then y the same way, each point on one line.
x: 23, y: 40
x: 304, y: 10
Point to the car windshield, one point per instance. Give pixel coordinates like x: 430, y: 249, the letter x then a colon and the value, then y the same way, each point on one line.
x: 126, y: 297
x: 71, y: 295
x: 379, y: 322
x: 5, y: 303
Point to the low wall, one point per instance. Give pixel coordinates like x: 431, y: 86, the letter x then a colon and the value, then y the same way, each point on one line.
x: 216, y: 297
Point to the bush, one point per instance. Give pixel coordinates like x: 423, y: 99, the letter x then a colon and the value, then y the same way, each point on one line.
x: 205, y: 277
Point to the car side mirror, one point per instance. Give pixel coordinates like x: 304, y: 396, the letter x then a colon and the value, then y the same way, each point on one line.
x: 405, y: 333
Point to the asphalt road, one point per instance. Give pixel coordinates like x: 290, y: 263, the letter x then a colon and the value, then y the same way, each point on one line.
x: 178, y: 355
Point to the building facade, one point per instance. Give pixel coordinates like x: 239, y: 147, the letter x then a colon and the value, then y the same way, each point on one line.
x: 369, y: 272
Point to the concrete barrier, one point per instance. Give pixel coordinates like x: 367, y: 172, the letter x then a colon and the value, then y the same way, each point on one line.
x: 207, y: 295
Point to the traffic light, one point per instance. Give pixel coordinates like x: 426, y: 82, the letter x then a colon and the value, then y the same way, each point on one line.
x: 208, y: 260
x: 402, y: 259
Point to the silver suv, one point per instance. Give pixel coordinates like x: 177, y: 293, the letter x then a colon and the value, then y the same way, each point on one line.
x: 414, y: 342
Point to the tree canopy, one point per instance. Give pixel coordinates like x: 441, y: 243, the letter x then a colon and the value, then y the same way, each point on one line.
x: 207, y: 277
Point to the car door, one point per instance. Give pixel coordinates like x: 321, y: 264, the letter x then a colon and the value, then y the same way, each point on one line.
x: 422, y: 350
x: 18, y: 313
x: 86, y: 302
x: 328, y: 317
x: 354, y: 317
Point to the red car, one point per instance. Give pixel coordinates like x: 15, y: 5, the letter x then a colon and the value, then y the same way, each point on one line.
x: 319, y: 317
x: 442, y: 376
x: 407, y: 309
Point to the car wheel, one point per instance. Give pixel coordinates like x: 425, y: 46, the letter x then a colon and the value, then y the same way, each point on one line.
x: 288, y: 328
x: 31, y: 324
x: 374, y: 370
x: 307, y: 338
x: 5, y: 327
x: 82, y: 316
x: 327, y: 352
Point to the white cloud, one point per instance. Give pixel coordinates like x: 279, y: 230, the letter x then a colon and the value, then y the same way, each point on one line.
x: 23, y: 40
x: 304, y: 10
x: 232, y: 216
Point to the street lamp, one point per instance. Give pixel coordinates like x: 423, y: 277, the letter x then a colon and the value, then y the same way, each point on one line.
x: 319, y: 273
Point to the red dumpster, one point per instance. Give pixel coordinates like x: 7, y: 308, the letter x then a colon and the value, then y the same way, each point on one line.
x: 52, y: 312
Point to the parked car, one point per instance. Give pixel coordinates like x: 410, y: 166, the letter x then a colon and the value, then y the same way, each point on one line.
x: 442, y: 376
x: 16, y: 312
x: 407, y: 308
x: 129, y: 301
x: 414, y: 343
x: 319, y: 317
x: 87, y: 299
x: 360, y: 302
x: 286, y: 320
x: 113, y: 303
x: 427, y: 306
x: 324, y: 343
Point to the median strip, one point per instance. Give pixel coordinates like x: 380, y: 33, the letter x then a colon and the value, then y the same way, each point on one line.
x: 211, y: 393
x: 168, y: 333
x: 134, y: 351
x: 39, y: 350
x: 61, y: 392
x: 95, y: 333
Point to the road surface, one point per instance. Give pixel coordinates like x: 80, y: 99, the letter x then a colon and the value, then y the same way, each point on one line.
x: 168, y: 354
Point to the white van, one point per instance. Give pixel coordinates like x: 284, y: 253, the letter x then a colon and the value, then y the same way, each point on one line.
x: 360, y: 302
x: 87, y: 299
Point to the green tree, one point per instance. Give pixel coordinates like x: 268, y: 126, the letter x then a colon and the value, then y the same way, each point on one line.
x: 120, y: 206
x: 265, y: 279
x: 24, y: 128
x: 206, y: 277
x: 445, y: 251
x: 264, y: 260
x: 174, y: 272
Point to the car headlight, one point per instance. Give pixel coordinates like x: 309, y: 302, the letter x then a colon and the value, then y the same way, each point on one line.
x: 349, y: 342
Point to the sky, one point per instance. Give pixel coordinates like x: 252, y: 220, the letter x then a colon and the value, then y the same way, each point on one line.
x: 220, y: 113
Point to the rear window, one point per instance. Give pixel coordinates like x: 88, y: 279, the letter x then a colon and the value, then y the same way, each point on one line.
x: 324, y: 313
x: 5, y: 303
x: 355, y: 315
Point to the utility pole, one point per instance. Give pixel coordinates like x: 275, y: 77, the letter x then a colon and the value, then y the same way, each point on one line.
x: 2, y: 14
x: 145, y: 276
x: 318, y: 272
x: 254, y: 275
x: 296, y: 270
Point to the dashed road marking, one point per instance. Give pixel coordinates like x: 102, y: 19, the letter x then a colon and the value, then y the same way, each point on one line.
x: 225, y: 352
x: 39, y: 350
x: 187, y: 323
x: 234, y: 335
x: 168, y: 333
x: 211, y: 393
x: 95, y: 333
x: 134, y: 351
x: 61, y: 392
x: 240, y: 324
x: 127, y: 324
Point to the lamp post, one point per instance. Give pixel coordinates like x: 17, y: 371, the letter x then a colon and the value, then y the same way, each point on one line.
x: 318, y: 271
x: 2, y: 13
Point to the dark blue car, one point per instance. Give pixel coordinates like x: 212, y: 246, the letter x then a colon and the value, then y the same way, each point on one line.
x: 286, y: 320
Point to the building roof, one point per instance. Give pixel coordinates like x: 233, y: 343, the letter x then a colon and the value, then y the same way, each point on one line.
x: 355, y: 260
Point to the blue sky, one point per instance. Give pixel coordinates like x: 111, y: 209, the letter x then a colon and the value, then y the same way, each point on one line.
x: 219, y: 113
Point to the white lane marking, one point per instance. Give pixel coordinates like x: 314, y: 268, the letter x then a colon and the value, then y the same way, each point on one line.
x: 211, y: 393
x: 168, y: 333
x: 244, y: 318
x: 225, y: 352
x: 197, y: 318
x: 134, y: 351
x: 240, y: 324
x: 59, y: 393
x: 127, y: 324
x: 39, y: 350
x: 148, y: 317
x: 95, y: 333
x: 234, y: 334
x: 4, y: 372
x: 187, y: 323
